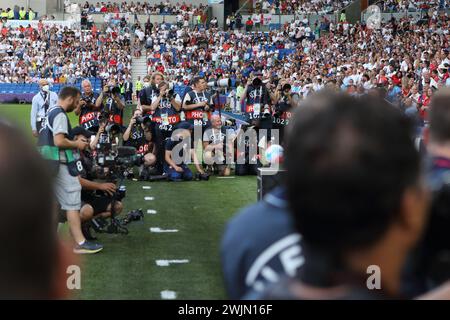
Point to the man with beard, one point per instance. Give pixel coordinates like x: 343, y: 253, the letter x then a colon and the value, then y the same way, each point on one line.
x: 56, y: 146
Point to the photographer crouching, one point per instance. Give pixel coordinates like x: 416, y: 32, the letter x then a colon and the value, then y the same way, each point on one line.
x: 96, y: 197
x: 217, y: 148
x: 139, y: 135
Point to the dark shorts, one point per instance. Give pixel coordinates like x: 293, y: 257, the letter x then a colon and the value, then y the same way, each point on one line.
x: 100, y: 204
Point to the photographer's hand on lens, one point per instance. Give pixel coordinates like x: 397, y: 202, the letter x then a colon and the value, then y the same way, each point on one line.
x: 178, y: 169
x: 109, y: 188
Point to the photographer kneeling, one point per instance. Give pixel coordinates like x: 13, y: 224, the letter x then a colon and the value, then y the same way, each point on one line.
x: 179, y: 152
x: 216, y: 147
x: 96, y: 197
x: 139, y: 136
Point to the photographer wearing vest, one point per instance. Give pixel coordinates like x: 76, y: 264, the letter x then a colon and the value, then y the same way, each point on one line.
x: 139, y: 135
x: 113, y: 102
x: 89, y: 108
x: 56, y: 146
x: 150, y: 91
x: 96, y: 197
x: 198, y: 104
x: 179, y: 152
x: 40, y: 104
x: 166, y: 115
x: 257, y: 99
x: 216, y: 150
x: 282, y: 114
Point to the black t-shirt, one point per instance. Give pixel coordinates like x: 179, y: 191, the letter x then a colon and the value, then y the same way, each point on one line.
x: 198, y: 116
x: 282, y: 113
x: 137, y: 139
x: 146, y: 95
x: 165, y: 118
x: 256, y: 99
x: 89, y: 113
x: 116, y: 114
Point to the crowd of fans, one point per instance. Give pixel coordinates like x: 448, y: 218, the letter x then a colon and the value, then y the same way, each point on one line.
x: 143, y: 7
x: 62, y: 54
x: 300, y: 6
x: 411, y: 5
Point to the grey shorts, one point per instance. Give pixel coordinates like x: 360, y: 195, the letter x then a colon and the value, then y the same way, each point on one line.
x: 67, y: 190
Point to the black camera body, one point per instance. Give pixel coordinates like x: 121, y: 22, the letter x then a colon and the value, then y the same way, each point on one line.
x: 201, y: 177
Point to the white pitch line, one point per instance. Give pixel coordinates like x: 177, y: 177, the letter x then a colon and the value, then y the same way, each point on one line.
x: 168, y: 295
x: 166, y: 263
x: 159, y: 230
x: 150, y: 211
x: 146, y: 187
x: 232, y: 177
x: 149, y: 198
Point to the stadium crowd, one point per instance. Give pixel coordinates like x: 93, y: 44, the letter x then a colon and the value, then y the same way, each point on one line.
x: 62, y: 54
x: 300, y: 6
x: 410, y: 5
x: 143, y: 7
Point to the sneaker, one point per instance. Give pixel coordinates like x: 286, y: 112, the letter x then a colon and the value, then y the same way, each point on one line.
x: 88, y: 248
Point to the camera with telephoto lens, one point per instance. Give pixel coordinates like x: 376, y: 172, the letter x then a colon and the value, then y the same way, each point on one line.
x: 266, y: 112
x: 146, y: 120
x: 134, y: 215
x: 201, y: 176
x: 113, y: 90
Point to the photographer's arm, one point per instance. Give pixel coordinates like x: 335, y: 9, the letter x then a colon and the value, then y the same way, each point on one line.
x: 168, y: 157
x: 127, y: 132
x: 62, y: 142
x: 77, y: 110
x: 187, y: 106
x: 196, y: 162
x: 119, y: 102
x: 99, y: 101
x: 155, y: 104
x: 109, y: 188
x: 176, y: 103
x: 94, y: 142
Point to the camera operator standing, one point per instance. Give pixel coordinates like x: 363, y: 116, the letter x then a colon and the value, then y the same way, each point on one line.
x: 286, y: 100
x: 257, y: 98
x: 89, y: 108
x: 139, y: 136
x: 113, y: 102
x: 198, y: 104
x: 40, y: 104
x: 56, y: 146
x: 166, y: 107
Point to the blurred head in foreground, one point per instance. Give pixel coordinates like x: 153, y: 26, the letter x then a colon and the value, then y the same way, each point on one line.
x: 355, y: 187
x: 32, y: 263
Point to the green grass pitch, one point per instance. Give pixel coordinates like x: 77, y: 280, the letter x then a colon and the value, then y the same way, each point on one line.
x: 126, y: 269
